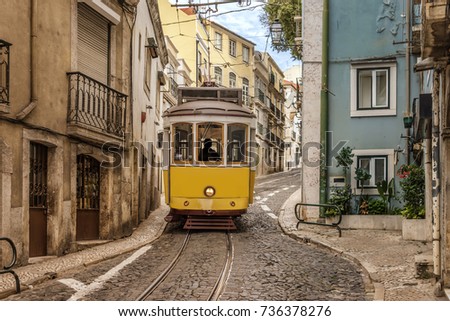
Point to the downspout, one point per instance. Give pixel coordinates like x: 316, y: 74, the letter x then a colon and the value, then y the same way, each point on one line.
x: 436, y: 183
x: 324, y: 105
x: 33, y: 63
x: 407, y: 77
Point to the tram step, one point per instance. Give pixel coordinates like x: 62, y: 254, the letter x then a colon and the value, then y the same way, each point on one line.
x: 209, y: 223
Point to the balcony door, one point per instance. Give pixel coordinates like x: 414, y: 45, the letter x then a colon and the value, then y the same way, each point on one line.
x: 93, y: 44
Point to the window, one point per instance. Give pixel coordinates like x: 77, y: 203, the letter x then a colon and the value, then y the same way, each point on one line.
x: 375, y: 166
x: 218, y: 75
x: 4, y: 72
x: 377, y: 162
x: 218, y: 41
x: 236, y: 143
x: 210, y: 140
x: 245, y: 91
x: 93, y: 49
x: 373, y: 90
x: 245, y: 53
x: 199, y: 66
x: 148, y: 70
x: 182, y: 141
x: 232, y: 80
x: 232, y: 48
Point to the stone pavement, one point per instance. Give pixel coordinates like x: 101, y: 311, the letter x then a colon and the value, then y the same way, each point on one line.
x: 388, y: 260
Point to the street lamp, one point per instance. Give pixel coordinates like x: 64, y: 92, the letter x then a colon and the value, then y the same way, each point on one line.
x: 276, y: 32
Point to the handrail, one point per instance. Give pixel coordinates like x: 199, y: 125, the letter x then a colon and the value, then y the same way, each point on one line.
x: 302, y: 221
x: 7, y: 268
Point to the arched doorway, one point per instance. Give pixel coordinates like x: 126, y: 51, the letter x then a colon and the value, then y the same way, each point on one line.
x: 88, y: 198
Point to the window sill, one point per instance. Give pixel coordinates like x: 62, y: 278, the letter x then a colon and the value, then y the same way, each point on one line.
x: 373, y: 113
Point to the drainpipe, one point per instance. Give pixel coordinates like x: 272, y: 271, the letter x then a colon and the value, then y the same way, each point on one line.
x: 407, y: 76
x: 324, y: 105
x: 33, y: 63
x: 436, y: 176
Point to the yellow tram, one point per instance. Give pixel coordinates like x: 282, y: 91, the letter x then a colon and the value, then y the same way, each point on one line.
x: 209, y: 157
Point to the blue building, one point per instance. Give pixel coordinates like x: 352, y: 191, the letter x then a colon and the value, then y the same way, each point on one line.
x: 357, y: 92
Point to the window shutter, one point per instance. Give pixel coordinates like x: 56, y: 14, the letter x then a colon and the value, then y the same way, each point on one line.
x: 93, y: 44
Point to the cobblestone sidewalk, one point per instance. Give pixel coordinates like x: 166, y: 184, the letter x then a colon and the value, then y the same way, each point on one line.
x: 388, y: 259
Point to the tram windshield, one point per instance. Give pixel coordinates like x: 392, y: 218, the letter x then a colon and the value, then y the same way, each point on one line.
x: 236, y: 143
x: 214, y: 144
x: 183, y: 143
x: 210, y: 139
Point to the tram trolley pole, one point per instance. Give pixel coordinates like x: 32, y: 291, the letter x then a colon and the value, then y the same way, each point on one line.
x: 7, y: 268
x: 334, y: 224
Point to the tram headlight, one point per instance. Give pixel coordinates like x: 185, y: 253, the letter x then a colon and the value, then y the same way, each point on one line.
x: 210, y: 191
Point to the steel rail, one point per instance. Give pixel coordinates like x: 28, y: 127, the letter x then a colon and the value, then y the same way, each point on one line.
x: 152, y: 287
x: 225, y: 273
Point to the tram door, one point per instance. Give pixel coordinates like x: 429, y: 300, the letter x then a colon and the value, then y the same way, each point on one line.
x: 88, y: 198
x: 38, y: 200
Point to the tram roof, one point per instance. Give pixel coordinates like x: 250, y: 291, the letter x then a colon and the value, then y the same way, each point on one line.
x: 209, y: 108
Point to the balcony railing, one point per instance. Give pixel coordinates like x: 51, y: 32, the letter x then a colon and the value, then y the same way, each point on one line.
x: 4, y: 72
x: 95, y: 105
x: 173, y: 87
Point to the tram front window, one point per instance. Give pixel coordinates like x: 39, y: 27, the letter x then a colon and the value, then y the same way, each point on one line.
x: 182, y: 143
x: 236, y: 143
x: 210, y: 138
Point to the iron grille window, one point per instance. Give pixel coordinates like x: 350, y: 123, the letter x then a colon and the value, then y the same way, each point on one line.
x: 88, y: 182
x: 4, y: 71
x: 38, y: 175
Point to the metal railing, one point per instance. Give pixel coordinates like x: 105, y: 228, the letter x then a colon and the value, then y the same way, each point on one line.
x: 302, y: 221
x: 4, y: 72
x: 96, y: 105
x: 8, y: 268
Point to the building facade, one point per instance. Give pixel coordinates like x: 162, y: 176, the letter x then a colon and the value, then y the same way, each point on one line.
x: 67, y: 124
x: 431, y: 126
x: 358, y: 84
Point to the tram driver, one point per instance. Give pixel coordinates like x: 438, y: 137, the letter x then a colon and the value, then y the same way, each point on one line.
x: 208, y: 153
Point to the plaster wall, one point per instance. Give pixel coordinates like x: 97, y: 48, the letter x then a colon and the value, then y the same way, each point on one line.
x: 312, y: 68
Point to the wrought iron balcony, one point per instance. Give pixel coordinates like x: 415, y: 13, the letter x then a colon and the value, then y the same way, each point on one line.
x: 4, y: 75
x: 96, y: 111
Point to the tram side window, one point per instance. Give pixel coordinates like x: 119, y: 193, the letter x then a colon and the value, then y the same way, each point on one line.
x: 210, y: 138
x: 236, y: 143
x: 182, y: 143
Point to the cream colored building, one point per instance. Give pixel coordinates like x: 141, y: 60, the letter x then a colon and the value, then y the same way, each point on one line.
x: 68, y: 122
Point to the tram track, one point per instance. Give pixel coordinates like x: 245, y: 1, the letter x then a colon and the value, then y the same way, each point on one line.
x: 219, y: 284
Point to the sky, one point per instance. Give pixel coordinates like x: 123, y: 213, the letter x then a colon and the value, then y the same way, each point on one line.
x: 244, y: 21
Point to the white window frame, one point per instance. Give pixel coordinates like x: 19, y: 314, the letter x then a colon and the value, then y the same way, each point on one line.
x: 245, y: 53
x: 246, y: 91
x: 218, y: 40
x: 232, y: 80
x: 374, y: 153
x: 391, y: 109
x: 233, y: 45
x: 218, y: 75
